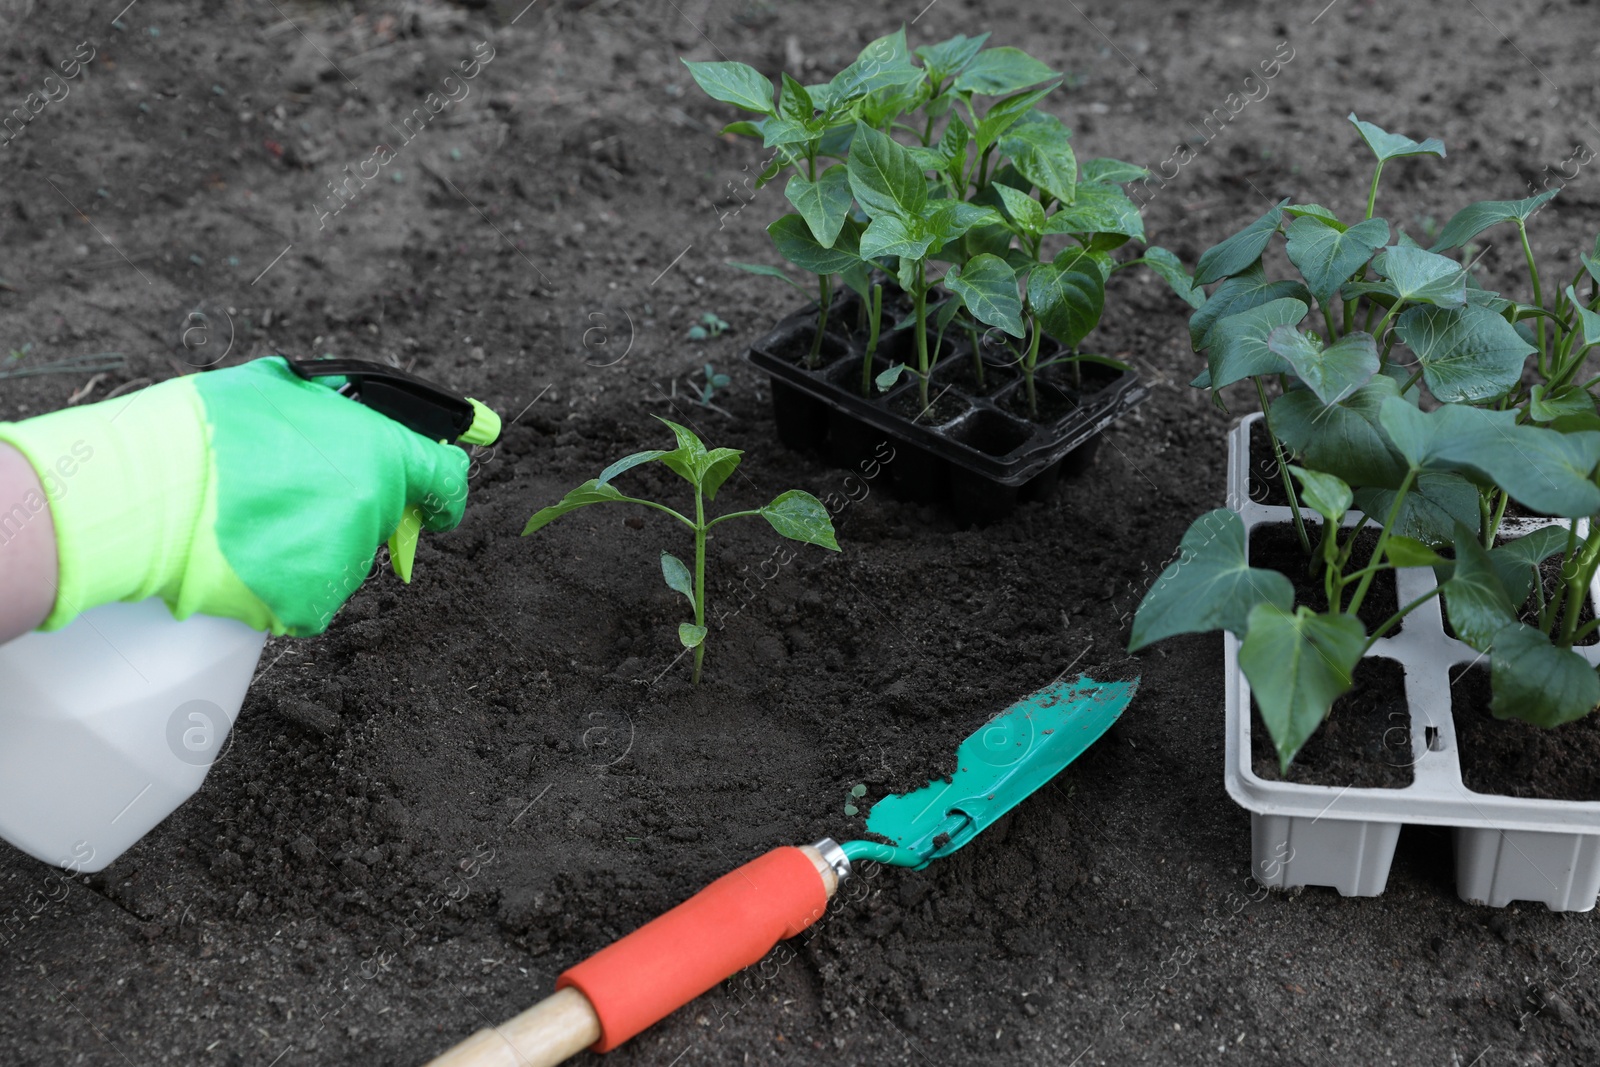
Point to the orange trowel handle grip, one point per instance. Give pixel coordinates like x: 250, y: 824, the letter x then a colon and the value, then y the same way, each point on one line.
x: 727, y: 926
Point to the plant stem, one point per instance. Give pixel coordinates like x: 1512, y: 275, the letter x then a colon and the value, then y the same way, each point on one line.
x: 1394, y: 620
x: 977, y: 353
x: 1538, y: 294
x: 1327, y: 318
x: 1493, y: 529
x: 1382, y: 546
x: 872, y: 340
x: 824, y: 296
x: 1372, y: 193
x: 1029, y: 363
x: 920, y: 303
x: 1283, y: 468
x: 699, y: 576
x: 1411, y: 382
x: 1578, y: 589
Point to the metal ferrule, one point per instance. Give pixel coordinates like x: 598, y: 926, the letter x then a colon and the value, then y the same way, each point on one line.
x: 834, y: 857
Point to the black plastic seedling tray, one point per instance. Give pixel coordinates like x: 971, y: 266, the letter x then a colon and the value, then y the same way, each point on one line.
x: 969, y: 453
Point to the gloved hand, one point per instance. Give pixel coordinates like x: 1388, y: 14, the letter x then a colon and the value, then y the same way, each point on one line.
x: 248, y: 493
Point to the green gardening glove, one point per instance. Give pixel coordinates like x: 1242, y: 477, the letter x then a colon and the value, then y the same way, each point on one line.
x: 248, y: 493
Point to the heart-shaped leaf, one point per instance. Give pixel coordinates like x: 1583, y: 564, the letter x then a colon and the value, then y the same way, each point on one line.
x: 1238, y: 344
x: 1537, y: 682
x: 1387, y: 146
x: 1545, y: 406
x: 1344, y: 438
x: 1418, y: 276
x: 1333, y: 373
x: 1314, y: 211
x: 1467, y: 353
x: 1211, y: 586
x: 988, y: 286
x: 1588, y: 321
x: 1473, y: 219
x: 799, y: 516
x: 1238, y: 252
x: 1328, y: 255
x: 1517, y: 562
x: 1475, y: 600
x: 1437, y: 503
x: 1405, y: 551
x: 1242, y: 291
x: 1298, y: 665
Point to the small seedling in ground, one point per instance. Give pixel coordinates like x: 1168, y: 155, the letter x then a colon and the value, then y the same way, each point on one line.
x: 856, y: 793
x: 710, y: 382
x: 710, y: 325
x: 795, y: 514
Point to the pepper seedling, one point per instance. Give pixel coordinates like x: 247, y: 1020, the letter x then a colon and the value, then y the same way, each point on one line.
x: 795, y: 514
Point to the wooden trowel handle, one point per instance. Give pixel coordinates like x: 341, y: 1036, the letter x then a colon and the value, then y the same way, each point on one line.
x: 641, y: 979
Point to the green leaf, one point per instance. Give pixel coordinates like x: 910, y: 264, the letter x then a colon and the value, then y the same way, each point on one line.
x: 783, y: 131
x: 590, y: 492
x: 1111, y: 170
x: 887, y: 378
x: 1477, y: 604
x: 794, y: 102
x: 1387, y: 146
x: 691, y: 635
x: 1068, y: 301
x: 792, y: 237
x: 884, y: 177
x: 1345, y: 439
x: 687, y: 461
x: 891, y: 236
x: 1467, y: 353
x: 1333, y: 373
x: 1236, y: 254
x: 1588, y: 321
x: 1537, y: 682
x: 1405, y: 551
x: 1541, y: 469
x: 628, y: 463
x: 768, y: 272
x: 948, y: 57
x: 1245, y: 290
x: 1327, y: 255
x: 677, y: 575
x: 1473, y: 219
x: 742, y: 128
x: 824, y: 203
x: 1238, y: 344
x: 1516, y: 562
x: 1423, y: 277
x: 734, y: 83
x: 718, y: 463
x: 1315, y: 211
x: 1544, y: 406
x: 1098, y: 208
x: 1298, y: 665
x: 1023, y: 209
x: 989, y: 288
x: 1437, y: 503
x: 1326, y: 494
x: 1003, y: 115
x: 949, y: 220
x: 883, y: 64
x: 1039, y: 149
x: 997, y: 71
x: 799, y: 516
x: 1211, y: 585
x: 1171, y: 269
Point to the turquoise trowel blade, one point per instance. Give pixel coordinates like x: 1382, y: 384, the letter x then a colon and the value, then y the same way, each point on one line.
x: 1008, y: 758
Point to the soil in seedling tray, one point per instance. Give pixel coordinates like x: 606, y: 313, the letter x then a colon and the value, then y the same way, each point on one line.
x: 1507, y: 757
x: 960, y: 374
x: 1056, y: 394
x: 796, y: 346
x: 1365, y: 742
x: 1276, y: 546
x: 1266, y: 484
x: 941, y: 409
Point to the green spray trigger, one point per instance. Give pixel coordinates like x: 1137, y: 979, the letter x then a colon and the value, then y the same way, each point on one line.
x: 485, y: 430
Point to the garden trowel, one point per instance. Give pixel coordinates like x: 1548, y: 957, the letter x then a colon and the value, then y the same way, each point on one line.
x: 737, y: 919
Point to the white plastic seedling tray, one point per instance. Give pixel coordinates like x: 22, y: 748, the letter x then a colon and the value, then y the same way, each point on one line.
x: 1506, y: 848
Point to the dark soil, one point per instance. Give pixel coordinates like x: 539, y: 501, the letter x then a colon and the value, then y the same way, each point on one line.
x: 1518, y: 759
x: 1276, y: 546
x: 1365, y: 742
x: 942, y: 407
x: 795, y: 346
x: 1266, y: 483
x: 472, y: 782
x: 960, y: 371
x: 1056, y: 393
